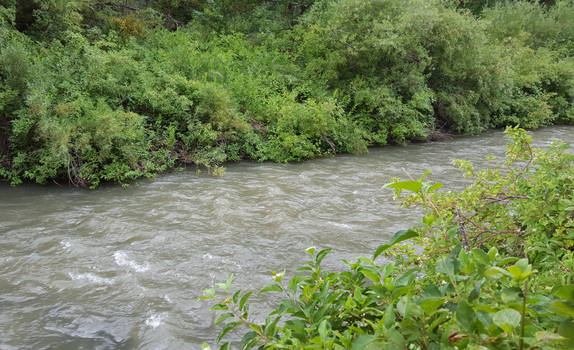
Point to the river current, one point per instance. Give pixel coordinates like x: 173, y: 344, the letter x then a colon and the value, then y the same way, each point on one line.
x: 122, y: 268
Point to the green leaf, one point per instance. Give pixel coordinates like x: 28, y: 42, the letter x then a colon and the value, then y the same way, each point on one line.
x: 404, y: 306
x: 389, y: 318
x: 429, y: 219
x: 244, y: 299
x: 425, y: 175
x: 294, y: 282
x: 223, y: 307
x: 435, y: 187
x: 443, y: 315
x: 270, y: 328
x: 495, y: 272
x: 475, y: 293
x: 223, y: 317
x: 514, y: 271
x: 278, y: 276
x: 364, y: 260
x: 270, y: 288
x: 255, y: 327
x: 492, y: 253
x: 452, y: 232
x: 510, y: 295
x: 465, y: 315
x: 362, y: 341
x: 205, y: 346
x: 545, y: 336
x: 358, y: 295
x: 484, y: 317
x: 284, y: 307
x: 398, y: 237
x: 209, y: 292
x: 296, y: 326
x: 324, y: 328
x: 250, y: 338
x: 507, y: 319
x: 396, y: 340
x: 413, y: 186
x: 431, y: 292
x: 490, y: 309
x: 430, y: 305
x: 371, y: 274
x: 523, y: 265
x: 566, y: 292
x: 321, y: 255
x: 520, y: 270
x: 480, y: 256
x: 406, y: 278
x: 401, y: 290
x: 506, y: 261
x: 227, y: 284
x: 449, y: 266
x: 563, y: 309
x: 235, y: 296
x: 226, y: 329
x: 566, y: 329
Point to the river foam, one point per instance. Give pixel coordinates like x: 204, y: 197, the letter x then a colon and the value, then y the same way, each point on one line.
x: 121, y: 258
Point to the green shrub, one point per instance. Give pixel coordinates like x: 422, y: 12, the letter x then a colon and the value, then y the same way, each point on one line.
x: 542, y: 26
x: 522, y: 206
x: 325, y: 77
x: 405, y: 61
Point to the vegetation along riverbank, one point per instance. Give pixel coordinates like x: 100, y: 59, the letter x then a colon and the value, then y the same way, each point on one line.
x: 489, y: 267
x: 97, y: 91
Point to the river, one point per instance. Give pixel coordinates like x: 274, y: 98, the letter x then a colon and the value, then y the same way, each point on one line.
x: 122, y: 268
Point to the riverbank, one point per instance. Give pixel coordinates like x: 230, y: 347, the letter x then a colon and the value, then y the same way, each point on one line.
x: 94, y: 94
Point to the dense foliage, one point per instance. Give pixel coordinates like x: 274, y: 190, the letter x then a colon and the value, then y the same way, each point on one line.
x: 95, y: 91
x: 490, y: 267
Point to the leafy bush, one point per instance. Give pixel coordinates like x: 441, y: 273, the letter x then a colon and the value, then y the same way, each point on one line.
x: 523, y: 206
x: 539, y: 25
x: 473, y: 300
x: 467, y: 289
x: 407, y: 68
x: 280, y: 81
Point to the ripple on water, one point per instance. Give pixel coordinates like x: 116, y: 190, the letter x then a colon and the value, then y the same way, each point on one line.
x: 155, y: 320
x: 90, y: 278
x: 122, y: 269
x: 121, y: 258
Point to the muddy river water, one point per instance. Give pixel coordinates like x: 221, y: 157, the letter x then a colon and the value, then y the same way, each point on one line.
x: 122, y: 268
